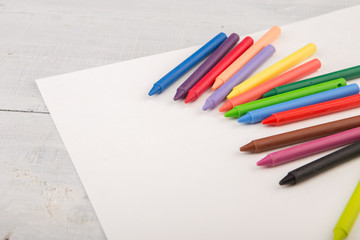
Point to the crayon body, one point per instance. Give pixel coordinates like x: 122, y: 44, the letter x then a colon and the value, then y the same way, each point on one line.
x: 187, y: 64
x: 256, y: 92
x: 206, y: 82
x: 348, y: 74
x: 301, y: 135
x: 321, y: 165
x: 274, y: 70
x: 309, y: 148
x: 312, y: 111
x: 206, y: 66
x: 242, y: 109
x: 260, y: 114
x: 349, y: 215
x: 265, y: 40
x: 214, y: 99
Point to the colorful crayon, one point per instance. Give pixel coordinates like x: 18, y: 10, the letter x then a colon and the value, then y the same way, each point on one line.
x: 310, y: 148
x: 206, y: 66
x: 260, y: 114
x: 348, y: 74
x: 196, y: 91
x: 256, y: 92
x: 265, y: 40
x: 187, y: 64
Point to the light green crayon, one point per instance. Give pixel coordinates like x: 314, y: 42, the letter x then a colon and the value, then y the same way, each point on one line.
x: 242, y: 109
x: 349, y: 216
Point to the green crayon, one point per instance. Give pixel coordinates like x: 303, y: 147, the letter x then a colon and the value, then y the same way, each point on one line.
x: 242, y: 109
x: 348, y: 74
x: 348, y: 216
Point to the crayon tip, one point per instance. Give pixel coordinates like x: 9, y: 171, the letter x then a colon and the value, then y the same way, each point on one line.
x: 245, y: 119
x: 218, y: 83
x: 192, y: 96
x: 339, y: 234
x: 209, y: 104
x: 270, y: 120
x: 180, y: 93
x: 288, y: 180
x: 232, y: 94
x: 155, y: 90
x: 265, y: 162
x: 232, y: 113
x: 250, y: 147
x: 226, y: 107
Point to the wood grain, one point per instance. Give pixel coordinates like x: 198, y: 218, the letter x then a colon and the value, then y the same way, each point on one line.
x: 41, y: 196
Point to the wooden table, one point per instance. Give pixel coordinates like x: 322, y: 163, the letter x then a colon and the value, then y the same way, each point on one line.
x: 41, y: 196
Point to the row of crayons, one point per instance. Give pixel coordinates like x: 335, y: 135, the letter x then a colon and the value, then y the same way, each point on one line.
x: 275, y: 97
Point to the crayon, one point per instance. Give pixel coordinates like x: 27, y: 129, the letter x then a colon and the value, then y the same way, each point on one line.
x: 265, y: 40
x: 242, y: 109
x: 321, y: 165
x: 314, y: 110
x: 206, y: 82
x: 256, y: 92
x: 310, y: 148
x: 260, y: 114
x: 274, y: 70
x: 300, y: 135
x: 187, y: 64
x: 349, y: 215
x: 214, y: 99
x: 348, y: 74
x: 206, y: 66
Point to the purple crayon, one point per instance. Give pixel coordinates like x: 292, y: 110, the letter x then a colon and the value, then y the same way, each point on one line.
x: 206, y: 66
x: 239, y: 77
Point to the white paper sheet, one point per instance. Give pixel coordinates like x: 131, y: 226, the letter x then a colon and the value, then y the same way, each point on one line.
x: 158, y: 169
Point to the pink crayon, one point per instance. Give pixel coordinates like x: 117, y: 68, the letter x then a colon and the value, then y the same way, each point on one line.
x: 310, y: 148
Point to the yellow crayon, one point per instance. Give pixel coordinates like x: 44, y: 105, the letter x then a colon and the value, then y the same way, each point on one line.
x: 349, y: 216
x: 274, y: 70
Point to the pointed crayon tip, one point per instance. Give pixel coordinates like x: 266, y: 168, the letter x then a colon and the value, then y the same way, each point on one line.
x: 270, y: 120
x: 209, y: 104
x: 192, y: 96
x: 232, y: 94
x: 218, y: 83
x: 180, y: 93
x: 232, y: 113
x: 288, y: 180
x: 266, y: 162
x: 339, y: 234
x: 155, y: 90
x: 250, y: 147
x: 245, y: 119
x: 226, y: 107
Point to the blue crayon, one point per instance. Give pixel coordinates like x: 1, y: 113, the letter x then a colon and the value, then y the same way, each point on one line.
x: 187, y: 64
x: 260, y: 114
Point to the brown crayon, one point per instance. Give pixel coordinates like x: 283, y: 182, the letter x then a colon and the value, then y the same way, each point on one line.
x: 301, y: 135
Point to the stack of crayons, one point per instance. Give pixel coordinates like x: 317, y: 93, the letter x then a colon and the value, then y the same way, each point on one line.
x: 275, y: 97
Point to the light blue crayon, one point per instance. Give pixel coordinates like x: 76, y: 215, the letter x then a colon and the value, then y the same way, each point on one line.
x: 187, y: 64
x: 260, y: 114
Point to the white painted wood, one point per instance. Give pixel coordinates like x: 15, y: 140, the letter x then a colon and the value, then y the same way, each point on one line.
x: 41, y: 196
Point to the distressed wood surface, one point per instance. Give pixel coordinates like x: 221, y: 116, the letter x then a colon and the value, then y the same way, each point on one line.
x: 41, y: 196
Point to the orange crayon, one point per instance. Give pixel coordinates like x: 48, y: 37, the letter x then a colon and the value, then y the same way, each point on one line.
x: 287, y: 77
x: 265, y: 40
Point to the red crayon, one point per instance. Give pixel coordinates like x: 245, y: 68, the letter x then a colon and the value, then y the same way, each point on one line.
x: 206, y: 82
x: 314, y: 110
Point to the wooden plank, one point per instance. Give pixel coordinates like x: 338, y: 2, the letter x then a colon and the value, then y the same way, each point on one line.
x: 42, y: 38
x: 41, y: 196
